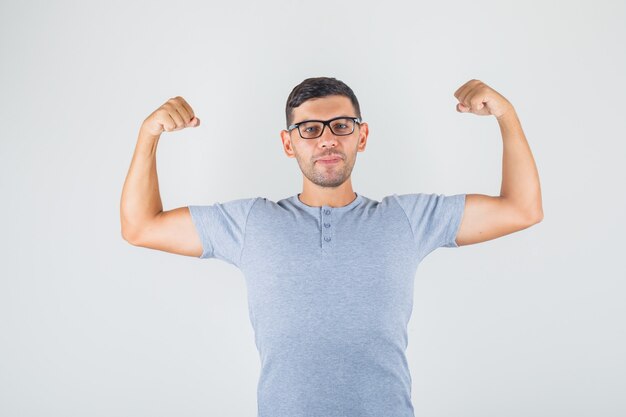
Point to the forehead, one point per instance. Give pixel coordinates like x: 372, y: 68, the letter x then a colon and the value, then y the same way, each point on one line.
x: 323, y: 108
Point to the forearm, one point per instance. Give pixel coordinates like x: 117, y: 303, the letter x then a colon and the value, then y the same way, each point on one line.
x: 520, y: 179
x: 141, y: 200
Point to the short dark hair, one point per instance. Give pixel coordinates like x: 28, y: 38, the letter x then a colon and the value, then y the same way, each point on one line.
x: 318, y: 87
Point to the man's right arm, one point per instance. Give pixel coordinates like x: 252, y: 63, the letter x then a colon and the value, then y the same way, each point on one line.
x: 143, y: 221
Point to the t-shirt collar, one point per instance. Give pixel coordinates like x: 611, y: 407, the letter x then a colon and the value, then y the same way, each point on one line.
x: 296, y: 200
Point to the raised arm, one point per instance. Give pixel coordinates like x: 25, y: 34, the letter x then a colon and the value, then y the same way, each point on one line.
x: 519, y: 204
x: 143, y: 221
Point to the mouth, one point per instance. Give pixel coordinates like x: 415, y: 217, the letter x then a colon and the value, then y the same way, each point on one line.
x: 329, y: 159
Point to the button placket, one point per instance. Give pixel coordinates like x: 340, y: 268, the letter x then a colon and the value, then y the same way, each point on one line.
x: 326, y: 229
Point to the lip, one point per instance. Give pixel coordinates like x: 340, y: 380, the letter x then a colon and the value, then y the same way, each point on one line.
x: 329, y: 159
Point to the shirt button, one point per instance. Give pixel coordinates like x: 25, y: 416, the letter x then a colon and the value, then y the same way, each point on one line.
x: 326, y: 224
x: 327, y: 239
x: 326, y: 211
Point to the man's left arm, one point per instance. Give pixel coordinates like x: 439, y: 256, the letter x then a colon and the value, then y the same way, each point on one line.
x: 519, y: 204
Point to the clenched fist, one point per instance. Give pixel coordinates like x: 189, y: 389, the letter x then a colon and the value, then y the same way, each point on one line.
x: 174, y: 114
x: 477, y: 97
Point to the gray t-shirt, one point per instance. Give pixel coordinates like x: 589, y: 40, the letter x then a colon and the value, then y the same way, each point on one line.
x: 330, y: 294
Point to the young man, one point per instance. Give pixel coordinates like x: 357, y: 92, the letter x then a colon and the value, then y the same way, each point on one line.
x: 330, y: 272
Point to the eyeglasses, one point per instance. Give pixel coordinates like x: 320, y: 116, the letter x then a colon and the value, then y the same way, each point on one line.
x: 340, y: 126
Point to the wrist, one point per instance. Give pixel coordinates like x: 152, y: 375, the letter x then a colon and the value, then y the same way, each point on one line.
x: 147, y: 142
x: 147, y: 135
x: 144, y: 130
x: 507, y: 115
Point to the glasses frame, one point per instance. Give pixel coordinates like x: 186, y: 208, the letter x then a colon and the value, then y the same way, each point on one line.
x: 357, y: 120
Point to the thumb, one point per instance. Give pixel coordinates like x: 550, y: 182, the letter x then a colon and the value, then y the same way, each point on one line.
x: 195, y: 122
x: 462, y: 108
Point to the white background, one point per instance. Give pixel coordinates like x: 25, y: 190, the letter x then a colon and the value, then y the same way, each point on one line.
x: 528, y: 324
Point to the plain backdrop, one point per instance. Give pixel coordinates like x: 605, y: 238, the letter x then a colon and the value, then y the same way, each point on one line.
x: 530, y: 324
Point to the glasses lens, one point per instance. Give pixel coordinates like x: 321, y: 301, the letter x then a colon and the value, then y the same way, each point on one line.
x: 342, y: 126
x: 310, y: 130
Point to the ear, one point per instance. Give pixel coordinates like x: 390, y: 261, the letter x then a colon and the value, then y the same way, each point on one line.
x: 287, y: 147
x: 363, y: 133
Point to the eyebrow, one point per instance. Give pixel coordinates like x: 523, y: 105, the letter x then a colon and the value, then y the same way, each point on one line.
x: 318, y: 120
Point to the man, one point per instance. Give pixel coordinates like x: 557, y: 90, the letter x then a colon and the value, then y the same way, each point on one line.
x: 330, y: 272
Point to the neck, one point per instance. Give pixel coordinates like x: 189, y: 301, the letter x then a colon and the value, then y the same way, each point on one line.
x: 316, y: 196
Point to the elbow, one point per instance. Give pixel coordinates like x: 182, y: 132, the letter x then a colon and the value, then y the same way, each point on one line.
x: 128, y: 237
x: 134, y: 231
x: 533, y: 212
x: 527, y: 218
x: 535, y: 216
x: 130, y: 230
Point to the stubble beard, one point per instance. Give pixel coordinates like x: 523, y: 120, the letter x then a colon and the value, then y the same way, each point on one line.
x: 326, y: 176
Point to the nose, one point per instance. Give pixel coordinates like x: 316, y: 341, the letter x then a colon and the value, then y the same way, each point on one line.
x: 328, y: 138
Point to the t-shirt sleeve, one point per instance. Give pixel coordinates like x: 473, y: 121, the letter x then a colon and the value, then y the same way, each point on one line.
x: 222, y: 228
x: 435, y: 219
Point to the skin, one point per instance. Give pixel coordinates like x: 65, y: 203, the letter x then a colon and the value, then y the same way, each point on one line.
x: 325, y: 184
x: 519, y: 204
